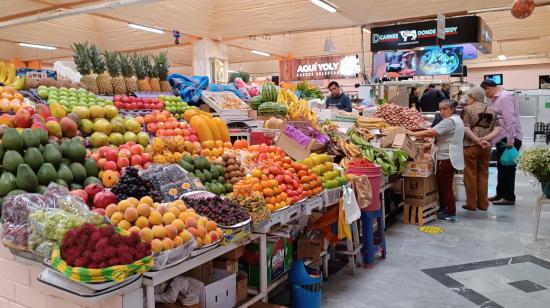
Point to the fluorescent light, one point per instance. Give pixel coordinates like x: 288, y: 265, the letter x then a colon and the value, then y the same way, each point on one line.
x: 366, y: 30
x: 324, y: 5
x: 261, y: 53
x: 37, y: 46
x: 144, y: 28
x: 502, y: 57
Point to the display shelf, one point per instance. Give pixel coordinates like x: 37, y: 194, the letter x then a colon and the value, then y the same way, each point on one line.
x: 309, y: 205
x: 281, y: 217
x: 152, y: 279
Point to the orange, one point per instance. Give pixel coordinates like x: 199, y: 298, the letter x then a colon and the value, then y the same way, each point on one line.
x: 268, y: 192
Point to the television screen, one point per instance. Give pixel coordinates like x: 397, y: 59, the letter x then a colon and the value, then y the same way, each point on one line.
x: 392, y: 64
x: 439, y: 61
x: 497, y: 78
x: 469, y: 51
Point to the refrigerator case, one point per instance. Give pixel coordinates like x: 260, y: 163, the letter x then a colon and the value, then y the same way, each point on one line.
x: 528, y: 113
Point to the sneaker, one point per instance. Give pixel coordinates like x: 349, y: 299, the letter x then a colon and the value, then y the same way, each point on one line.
x: 494, y: 198
x: 442, y: 215
x: 504, y: 202
x: 451, y: 218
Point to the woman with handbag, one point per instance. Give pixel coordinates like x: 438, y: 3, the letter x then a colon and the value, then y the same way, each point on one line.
x: 480, y: 127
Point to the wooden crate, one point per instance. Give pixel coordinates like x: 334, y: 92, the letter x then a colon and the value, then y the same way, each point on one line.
x: 420, y: 214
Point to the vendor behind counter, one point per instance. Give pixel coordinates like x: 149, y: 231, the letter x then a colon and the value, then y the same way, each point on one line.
x: 337, y: 99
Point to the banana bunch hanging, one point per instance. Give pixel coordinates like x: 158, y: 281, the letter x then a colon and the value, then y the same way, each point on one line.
x: 8, y: 77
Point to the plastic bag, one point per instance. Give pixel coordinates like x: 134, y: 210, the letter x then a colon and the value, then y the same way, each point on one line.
x: 351, y: 208
x: 186, y: 290
x: 173, y: 256
x: 509, y: 157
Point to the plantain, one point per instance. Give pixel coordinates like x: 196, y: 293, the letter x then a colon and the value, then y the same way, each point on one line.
x: 3, y: 72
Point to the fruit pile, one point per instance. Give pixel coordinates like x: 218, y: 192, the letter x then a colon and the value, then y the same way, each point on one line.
x: 9, y: 78
x: 30, y: 163
x: 212, y: 149
x: 309, y: 182
x: 105, y: 127
x: 212, y: 176
x: 95, y: 196
x: 164, y: 226
x: 254, y: 204
x: 321, y: 165
x: 175, y: 105
x: 101, y: 247
x: 172, y: 149
x: 131, y: 184
x: 233, y: 171
x: 116, y: 159
x: 11, y: 100
x: 223, y: 211
x: 69, y: 98
x: 207, y: 127
x: 135, y: 103
x: 162, y: 123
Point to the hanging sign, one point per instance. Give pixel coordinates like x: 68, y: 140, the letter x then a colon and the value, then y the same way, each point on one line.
x: 330, y: 67
x: 459, y: 30
x: 440, y: 26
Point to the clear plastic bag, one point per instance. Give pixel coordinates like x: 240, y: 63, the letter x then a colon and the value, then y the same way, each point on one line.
x: 351, y: 208
x: 173, y: 256
x: 52, y: 224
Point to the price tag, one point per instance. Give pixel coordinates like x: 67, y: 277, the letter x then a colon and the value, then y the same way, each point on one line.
x: 375, y: 143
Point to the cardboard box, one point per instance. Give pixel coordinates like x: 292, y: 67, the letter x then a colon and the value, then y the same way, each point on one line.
x: 264, y: 135
x: 293, y: 148
x: 222, y: 292
x: 420, y: 190
x: 234, y: 254
x: 398, y: 139
x: 419, y: 169
x: 279, y: 259
x: 231, y: 266
x: 202, y: 272
x: 309, y: 249
x: 242, y: 288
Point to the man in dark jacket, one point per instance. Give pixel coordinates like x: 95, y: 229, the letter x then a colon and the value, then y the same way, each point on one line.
x: 337, y: 98
x: 429, y: 102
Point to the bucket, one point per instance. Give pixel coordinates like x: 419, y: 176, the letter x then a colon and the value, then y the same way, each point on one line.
x: 374, y: 174
x: 305, y: 286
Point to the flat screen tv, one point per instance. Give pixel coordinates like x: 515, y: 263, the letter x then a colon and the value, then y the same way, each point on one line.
x: 439, y: 61
x: 497, y: 78
x: 392, y: 64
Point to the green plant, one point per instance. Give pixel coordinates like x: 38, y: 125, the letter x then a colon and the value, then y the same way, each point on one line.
x: 536, y: 161
x: 243, y: 75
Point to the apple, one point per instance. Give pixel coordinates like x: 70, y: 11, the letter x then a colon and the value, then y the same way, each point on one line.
x: 82, y: 194
x: 136, y: 160
x: 110, y: 165
x: 124, y: 152
x: 136, y: 149
x: 99, y: 210
x: 111, y: 155
x: 146, y: 157
x: 125, y: 99
x: 122, y: 162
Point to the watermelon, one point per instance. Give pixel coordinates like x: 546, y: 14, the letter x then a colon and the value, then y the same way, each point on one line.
x: 255, y: 102
x: 269, y: 93
x: 268, y: 108
x: 282, y: 109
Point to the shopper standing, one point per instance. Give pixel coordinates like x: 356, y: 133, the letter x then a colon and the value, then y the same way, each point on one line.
x: 429, y: 102
x: 480, y: 127
x: 414, y: 100
x: 449, y: 137
x: 506, y: 108
x: 337, y: 99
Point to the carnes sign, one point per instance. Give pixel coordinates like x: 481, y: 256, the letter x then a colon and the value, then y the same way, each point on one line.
x: 332, y: 67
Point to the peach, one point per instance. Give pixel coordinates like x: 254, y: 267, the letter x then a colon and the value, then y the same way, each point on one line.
x: 171, y: 231
x: 155, y: 218
x: 206, y: 240
x: 147, y: 200
x: 142, y: 222
x: 123, y: 205
x: 185, y: 236
x: 190, y: 222
x: 116, y: 218
x: 167, y: 244
x: 193, y: 231
x: 146, y: 234
x: 201, y: 231
x: 174, y: 210
x: 134, y: 229
x: 110, y: 210
x: 177, y: 241
x: 168, y: 217
x: 211, y: 225
x: 133, y: 201
x: 213, y: 235
x: 178, y: 224
x: 156, y: 245
x: 124, y: 224
x: 130, y: 214
x: 144, y: 209
x: 159, y: 232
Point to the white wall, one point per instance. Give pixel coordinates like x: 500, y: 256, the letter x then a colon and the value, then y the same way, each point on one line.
x: 258, y: 68
x: 514, y: 77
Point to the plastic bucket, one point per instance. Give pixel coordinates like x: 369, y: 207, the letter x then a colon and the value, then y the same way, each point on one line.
x: 374, y: 174
x: 305, y: 286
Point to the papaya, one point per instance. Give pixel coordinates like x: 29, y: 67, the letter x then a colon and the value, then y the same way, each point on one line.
x: 200, y: 124
x: 222, y: 128
x: 79, y: 172
x: 11, y: 160
x: 30, y: 139
x: 11, y: 140
x: 189, y: 114
x: 33, y: 158
x: 7, y: 183
x: 91, y: 167
x: 52, y: 155
x: 46, y: 174
x: 75, y: 152
x: 26, y: 179
x: 64, y: 173
x: 216, y: 134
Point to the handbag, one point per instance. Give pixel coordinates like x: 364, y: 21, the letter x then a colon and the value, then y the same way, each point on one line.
x: 509, y: 157
x: 484, y: 119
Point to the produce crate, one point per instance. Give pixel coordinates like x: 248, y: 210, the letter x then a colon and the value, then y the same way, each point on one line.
x: 332, y: 196
x: 216, y: 101
x: 314, y: 203
x: 281, y: 217
x: 238, y: 232
x: 419, y: 214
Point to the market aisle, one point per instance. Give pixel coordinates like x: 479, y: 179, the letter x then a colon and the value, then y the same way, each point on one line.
x: 502, y: 232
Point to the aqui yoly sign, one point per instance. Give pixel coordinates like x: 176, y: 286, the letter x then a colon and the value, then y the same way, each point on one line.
x: 459, y: 30
x: 330, y: 67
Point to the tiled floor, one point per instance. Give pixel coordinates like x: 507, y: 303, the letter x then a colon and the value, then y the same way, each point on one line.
x: 487, y: 259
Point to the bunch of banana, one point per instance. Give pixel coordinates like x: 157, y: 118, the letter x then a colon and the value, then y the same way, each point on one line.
x: 362, y: 132
x: 344, y: 163
x: 299, y: 110
x: 350, y: 149
x: 285, y: 96
x: 8, y: 78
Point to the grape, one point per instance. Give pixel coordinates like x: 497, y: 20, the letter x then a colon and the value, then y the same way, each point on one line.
x: 51, y: 224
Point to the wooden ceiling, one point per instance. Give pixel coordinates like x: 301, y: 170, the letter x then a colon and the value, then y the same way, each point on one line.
x: 279, y: 27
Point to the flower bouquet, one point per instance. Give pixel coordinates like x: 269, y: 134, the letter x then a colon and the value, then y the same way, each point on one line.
x: 536, y: 161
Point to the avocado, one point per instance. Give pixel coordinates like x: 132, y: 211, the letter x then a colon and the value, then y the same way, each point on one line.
x: 16, y: 192
x: 91, y: 180
x: 188, y: 158
x: 91, y: 167
x: 47, y: 174
x: 197, y: 163
x: 52, y: 155
x: 75, y: 152
x: 214, y: 172
x: 41, y: 189
x: 33, y: 158
x: 64, y: 173
x: 186, y: 166
x: 26, y: 178
x: 7, y: 183
x: 228, y: 187
x: 221, y: 179
x: 30, y: 139
x: 11, y: 160
x: 42, y: 135
x: 78, y: 171
x: 12, y: 139
x: 199, y: 175
x: 62, y: 183
x: 207, y: 176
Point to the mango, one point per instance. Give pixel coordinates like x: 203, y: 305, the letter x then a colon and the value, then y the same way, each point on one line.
x: 53, y: 128
x: 57, y: 110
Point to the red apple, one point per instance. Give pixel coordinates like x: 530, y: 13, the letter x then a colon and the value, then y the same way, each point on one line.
x: 136, y: 149
x: 130, y: 143
x: 103, y: 150
x: 146, y: 157
x: 93, y: 189
x: 122, y: 162
x: 103, y: 199
x: 110, y: 165
x: 95, y: 156
x: 82, y: 194
x: 111, y: 155
x: 125, y: 99
x: 136, y: 160
x: 101, y: 163
x: 117, y: 97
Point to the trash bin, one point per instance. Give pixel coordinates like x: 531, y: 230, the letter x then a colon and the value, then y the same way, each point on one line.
x: 305, y: 286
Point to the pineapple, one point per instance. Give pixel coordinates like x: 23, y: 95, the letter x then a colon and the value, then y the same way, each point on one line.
x: 140, y: 64
x: 84, y: 66
x: 113, y: 66
x: 161, y: 68
x: 103, y: 80
x: 153, y: 76
x: 127, y: 72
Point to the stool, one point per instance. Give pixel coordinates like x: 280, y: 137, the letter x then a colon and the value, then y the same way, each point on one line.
x: 371, y: 241
x: 538, y: 208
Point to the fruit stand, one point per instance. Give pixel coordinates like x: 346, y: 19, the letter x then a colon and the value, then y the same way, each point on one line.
x: 118, y: 184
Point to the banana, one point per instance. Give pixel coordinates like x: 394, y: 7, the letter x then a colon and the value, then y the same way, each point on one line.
x: 19, y: 84
x: 11, y: 74
x: 3, y: 72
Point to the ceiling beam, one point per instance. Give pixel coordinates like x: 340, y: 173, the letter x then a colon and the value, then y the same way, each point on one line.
x: 50, y: 7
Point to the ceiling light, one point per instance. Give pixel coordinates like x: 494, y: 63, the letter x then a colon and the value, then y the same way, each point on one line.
x: 366, y: 30
x: 502, y: 57
x: 325, y: 5
x: 261, y: 53
x: 37, y: 46
x: 144, y: 28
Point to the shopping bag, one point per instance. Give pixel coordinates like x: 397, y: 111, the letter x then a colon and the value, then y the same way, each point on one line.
x: 351, y: 208
x: 509, y: 157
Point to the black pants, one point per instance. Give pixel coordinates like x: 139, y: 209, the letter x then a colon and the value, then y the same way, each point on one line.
x: 506, y: 174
